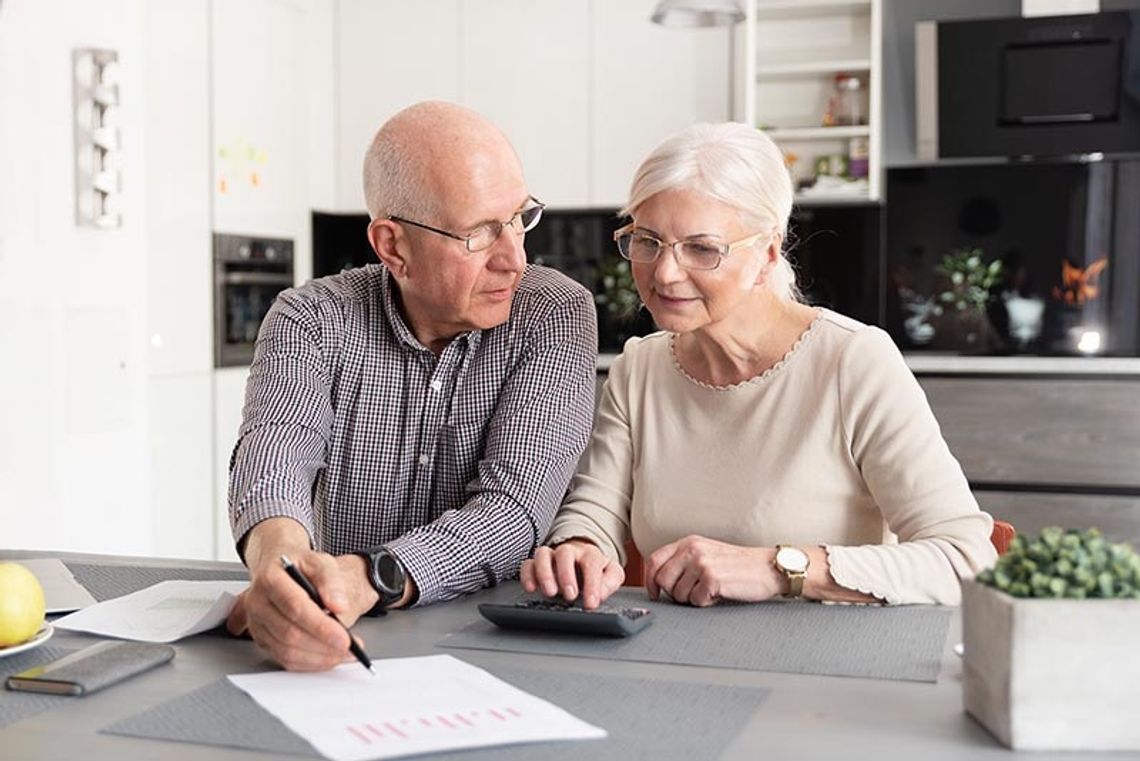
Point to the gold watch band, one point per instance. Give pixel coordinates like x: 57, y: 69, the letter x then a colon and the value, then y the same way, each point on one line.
x: 795, y: 583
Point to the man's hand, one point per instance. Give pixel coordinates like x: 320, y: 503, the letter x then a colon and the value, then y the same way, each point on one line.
x: 279, y: 615
x: 556, y: 570
x: 701, y: 572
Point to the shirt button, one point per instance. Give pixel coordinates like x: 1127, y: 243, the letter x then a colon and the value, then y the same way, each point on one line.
x: 436, y: 385
x: 424, y: 459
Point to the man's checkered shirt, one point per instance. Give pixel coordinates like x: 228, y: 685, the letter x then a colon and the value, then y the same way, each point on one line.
x: 457, y: 463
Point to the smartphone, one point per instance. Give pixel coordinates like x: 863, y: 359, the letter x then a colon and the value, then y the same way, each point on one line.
x: 91, y: 668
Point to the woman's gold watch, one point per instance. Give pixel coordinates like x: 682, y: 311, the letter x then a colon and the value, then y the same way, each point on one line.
x: 793, y: 563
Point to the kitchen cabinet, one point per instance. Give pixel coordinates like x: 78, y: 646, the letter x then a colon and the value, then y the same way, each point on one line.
x: 1047, y: 450
x: 792, y: 52
x: 584, y: 90
x: 229, y: 395
x: 389, y: 54
x: 648, y: 81
x: 525, y: 65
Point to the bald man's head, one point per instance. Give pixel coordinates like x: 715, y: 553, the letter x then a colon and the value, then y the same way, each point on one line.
x: 425, y: 154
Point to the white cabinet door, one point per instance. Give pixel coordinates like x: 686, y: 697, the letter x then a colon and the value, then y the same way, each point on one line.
x: 648, y: 82
x: 525, y: 66
x: 229, y: 396
x: 181, y: 466
x: 260, y: 116
x: 391, y: 54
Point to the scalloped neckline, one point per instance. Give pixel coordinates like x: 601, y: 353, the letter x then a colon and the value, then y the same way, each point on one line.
x: 755, y: 379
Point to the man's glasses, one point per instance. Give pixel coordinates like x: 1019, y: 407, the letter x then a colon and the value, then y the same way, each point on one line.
x: 485, y: 235
x: 699, y: 253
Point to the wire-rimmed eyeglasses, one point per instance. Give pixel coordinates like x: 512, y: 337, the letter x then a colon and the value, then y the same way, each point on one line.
x: 485, y: 235
x: 697, y: 253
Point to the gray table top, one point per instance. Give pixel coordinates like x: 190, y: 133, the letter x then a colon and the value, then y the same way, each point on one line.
x: 804, y: 717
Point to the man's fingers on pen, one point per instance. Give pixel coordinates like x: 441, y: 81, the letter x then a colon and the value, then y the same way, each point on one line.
x: 294, y: 610
x: 295, y: 657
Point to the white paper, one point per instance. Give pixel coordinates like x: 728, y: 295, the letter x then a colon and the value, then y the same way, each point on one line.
x: 61, y: 591
x: 411, y: 705
x: 164, y: 612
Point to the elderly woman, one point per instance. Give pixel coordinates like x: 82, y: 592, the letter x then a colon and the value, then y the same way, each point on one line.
x: 756, y: 447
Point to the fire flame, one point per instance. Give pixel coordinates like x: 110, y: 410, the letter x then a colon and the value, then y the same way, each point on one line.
x: 1078, y: 284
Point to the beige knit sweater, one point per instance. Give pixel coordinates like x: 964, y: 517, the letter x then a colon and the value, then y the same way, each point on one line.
x: 834, y: 446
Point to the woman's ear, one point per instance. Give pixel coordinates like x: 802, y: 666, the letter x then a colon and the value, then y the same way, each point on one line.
x: 386, y: 237
x: 770, y: 258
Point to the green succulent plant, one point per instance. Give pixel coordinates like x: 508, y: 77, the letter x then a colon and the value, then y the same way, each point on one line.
x: 1066, y: 563
x: 970, y: 278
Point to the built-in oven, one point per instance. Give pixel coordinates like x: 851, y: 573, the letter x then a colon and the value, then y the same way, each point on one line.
x: 249, y: 272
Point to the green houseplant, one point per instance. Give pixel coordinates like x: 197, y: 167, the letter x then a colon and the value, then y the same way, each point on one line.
x: 968, y: 282
x: 1050, y: 635
x: 620, y: 313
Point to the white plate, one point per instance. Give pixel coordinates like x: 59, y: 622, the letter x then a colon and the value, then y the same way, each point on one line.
x: 42, y: 636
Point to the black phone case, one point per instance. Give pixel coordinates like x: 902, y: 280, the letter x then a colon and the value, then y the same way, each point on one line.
x: 91, y: 668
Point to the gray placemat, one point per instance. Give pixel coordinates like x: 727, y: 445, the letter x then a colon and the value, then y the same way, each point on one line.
x: 217, y: 714
x: 106, y: 582
x: 646, y: 719
x: 904, y: 643
x: 16, y: 706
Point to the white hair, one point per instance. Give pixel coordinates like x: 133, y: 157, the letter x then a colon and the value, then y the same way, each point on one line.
x: 737, y: 165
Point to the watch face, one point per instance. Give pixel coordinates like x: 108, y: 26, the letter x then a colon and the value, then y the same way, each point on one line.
x: 792, y: 559
x: 390, y: 574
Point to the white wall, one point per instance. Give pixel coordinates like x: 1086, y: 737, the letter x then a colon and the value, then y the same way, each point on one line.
x: 73, y: 383
x: 107, y: 400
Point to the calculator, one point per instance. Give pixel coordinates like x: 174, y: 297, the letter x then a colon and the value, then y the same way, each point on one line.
x: 566, y: 617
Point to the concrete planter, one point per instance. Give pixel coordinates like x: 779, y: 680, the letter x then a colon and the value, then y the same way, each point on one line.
x: 1052, y: 674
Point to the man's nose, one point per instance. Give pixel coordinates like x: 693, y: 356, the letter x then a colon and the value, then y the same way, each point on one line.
x: 508, y: 252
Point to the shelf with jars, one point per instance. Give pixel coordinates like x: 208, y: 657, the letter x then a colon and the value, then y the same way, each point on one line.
x: 809, y: 75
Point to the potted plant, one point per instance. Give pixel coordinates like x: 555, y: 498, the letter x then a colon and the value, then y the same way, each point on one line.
x: 1052, y: 644
x: 620, y: 313
x: 969, y: 282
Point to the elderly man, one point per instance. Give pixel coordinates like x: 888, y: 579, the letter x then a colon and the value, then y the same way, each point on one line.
x: 410, y: 427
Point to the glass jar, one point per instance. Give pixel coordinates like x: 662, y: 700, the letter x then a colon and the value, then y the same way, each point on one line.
x: 849, y: 100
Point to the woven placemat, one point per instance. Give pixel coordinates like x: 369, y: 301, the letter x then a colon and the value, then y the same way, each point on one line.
x: 903, y: 643
x: 106, y: 582
x: 646, y: 719
x: 17, y: 706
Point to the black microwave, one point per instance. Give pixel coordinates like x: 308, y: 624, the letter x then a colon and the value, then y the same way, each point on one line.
x: 1041, y: 86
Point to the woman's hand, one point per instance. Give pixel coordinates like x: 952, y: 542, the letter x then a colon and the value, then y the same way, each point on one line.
x: 701, y: 572
x: 557, y: 570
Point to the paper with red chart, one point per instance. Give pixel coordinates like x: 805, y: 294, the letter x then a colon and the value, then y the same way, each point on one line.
x: 412, y: 705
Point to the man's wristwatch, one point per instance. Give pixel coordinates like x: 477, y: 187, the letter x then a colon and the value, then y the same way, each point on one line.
x: 388, y: 578
x: 793, y: 563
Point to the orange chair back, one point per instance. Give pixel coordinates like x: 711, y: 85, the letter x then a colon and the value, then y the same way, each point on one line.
x: 1002, y: 535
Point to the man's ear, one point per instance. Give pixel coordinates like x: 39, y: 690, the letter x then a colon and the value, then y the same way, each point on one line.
x: 386, y: 237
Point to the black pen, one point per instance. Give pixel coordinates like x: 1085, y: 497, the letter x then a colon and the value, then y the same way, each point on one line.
x: 296, y: 575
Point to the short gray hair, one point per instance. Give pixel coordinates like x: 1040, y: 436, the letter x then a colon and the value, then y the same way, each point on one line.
x: 395, y: 174
x: 737, y: 165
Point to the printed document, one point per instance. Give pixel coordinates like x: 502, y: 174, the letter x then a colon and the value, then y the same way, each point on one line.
x: 61, y: 591
x: 164, y: 612
x: 412, y: 705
